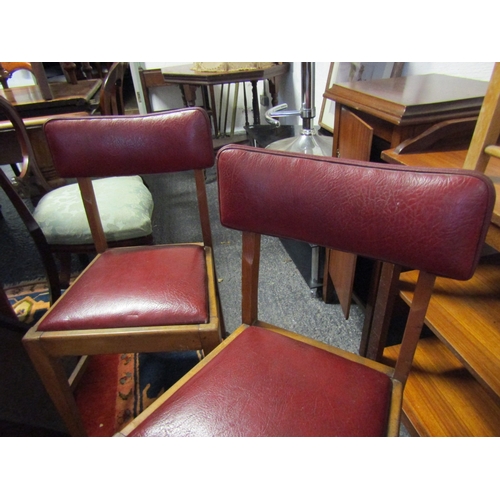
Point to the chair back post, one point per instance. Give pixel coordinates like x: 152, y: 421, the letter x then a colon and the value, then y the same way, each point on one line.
x: 92, y: 211
x: 414, y: 325
x: 201, y: 193
x: 250, y: 266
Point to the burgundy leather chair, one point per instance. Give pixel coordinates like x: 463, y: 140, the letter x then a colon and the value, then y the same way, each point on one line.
x: 265, y: 381
x: 133, y: 299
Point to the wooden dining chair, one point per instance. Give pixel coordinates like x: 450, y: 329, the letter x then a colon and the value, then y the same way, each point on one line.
x: 266, y: 381
x: 136, y: 299
x: 126, y: 202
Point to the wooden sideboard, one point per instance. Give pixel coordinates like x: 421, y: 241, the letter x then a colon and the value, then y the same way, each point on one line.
x: 399, y: 108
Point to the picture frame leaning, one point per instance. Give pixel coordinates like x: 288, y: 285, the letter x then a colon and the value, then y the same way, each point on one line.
x: 349, y: 72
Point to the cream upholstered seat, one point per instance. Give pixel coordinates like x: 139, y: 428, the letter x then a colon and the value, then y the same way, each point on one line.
x: 125, y: 205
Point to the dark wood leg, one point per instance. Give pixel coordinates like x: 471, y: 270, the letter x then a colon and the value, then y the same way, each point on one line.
x: 53, y: 377
x: 189, y: 95
x: 214, y: 109
x: 247, y: 123
x: 273, y: 90
x: 255, y: 104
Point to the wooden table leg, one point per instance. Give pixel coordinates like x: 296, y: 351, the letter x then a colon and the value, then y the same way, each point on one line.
x: 255, y: 104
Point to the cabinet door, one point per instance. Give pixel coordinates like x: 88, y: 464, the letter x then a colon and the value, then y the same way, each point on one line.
x: 354, y: 142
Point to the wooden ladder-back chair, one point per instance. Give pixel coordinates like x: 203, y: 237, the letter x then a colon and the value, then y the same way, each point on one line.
x: 265, y: 381
x: 137, y: 299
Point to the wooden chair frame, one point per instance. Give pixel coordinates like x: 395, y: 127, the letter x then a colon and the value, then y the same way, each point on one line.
x: 47, y: 347
x: 251, y: 218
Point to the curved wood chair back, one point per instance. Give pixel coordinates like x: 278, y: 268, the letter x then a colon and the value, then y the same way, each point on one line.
x: 36, y: 234
x: 111, y: 98
x: 29, y: 163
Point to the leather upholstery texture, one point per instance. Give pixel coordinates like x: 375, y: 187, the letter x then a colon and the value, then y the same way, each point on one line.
x: 166, y: 285
x: 257, y: 386
x: 379, y: 211
x: 80, y: 147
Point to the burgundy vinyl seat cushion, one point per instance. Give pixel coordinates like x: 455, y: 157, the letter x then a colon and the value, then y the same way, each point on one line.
x: 136, y: 286
x: 265, y: 384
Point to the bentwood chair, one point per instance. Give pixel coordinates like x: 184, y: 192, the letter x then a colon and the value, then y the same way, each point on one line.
x: 265, y: 381
x: 153, y: 298
x: 23, y: 399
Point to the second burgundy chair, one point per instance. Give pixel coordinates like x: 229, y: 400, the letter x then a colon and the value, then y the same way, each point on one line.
x: 265, y: 381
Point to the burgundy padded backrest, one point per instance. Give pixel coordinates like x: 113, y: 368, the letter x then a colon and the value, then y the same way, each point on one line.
x: 100, y: 146
x: 429, y: 219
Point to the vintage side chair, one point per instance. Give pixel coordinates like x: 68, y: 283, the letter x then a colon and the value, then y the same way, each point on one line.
x: 265, y: 381
x: 135, y: 299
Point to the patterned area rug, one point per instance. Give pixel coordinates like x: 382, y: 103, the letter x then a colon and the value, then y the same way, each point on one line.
x: 115, y: 388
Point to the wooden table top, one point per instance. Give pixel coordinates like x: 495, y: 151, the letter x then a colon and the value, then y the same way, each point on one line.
x: 412, y: 99
x: 185, y: 75
x: 30, y: 102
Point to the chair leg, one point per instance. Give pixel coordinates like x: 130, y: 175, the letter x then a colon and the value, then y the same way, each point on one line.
x: 209, y: 341
x: 53, y: 377
x: 65, y: 272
